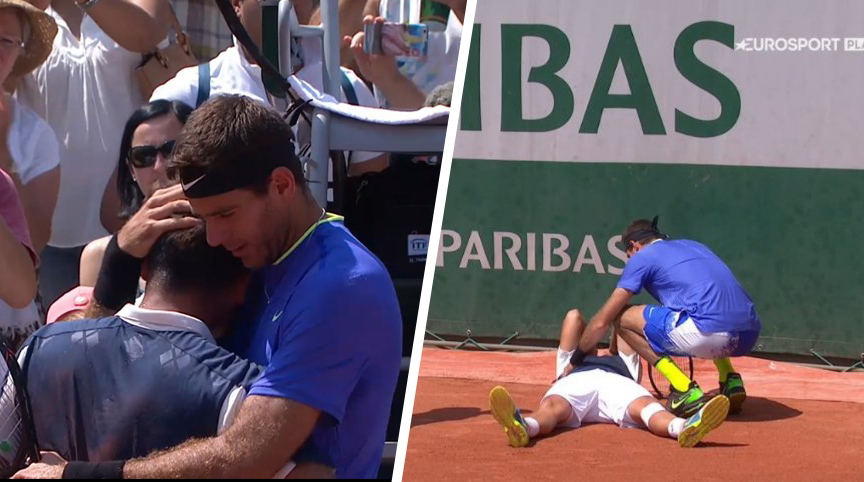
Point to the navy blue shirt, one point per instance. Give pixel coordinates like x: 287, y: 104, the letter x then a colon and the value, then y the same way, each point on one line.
x: 329, y: 330
x: 109, y: 390
x: 607, y: 363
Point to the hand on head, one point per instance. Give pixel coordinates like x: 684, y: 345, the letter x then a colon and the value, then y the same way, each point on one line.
x: 166, y: 210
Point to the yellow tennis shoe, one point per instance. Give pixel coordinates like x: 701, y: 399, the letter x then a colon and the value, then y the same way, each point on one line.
x: 705, y: 420
x: 505, y: 412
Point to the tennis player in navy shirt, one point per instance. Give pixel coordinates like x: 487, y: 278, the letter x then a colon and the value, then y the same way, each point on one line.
x: 328, y: 329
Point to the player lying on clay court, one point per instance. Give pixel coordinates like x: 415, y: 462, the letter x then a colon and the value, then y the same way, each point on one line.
x: 704, y: 313
x: 603, y: 389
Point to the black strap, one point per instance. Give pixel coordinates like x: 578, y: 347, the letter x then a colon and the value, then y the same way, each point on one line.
x: 203, y: 84
x: 270, y: 44
x: 577, y: 357
x: 267, y: 68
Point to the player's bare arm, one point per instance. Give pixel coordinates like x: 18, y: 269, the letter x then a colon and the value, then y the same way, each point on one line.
x: 264, y: 438
x: 599, y: 325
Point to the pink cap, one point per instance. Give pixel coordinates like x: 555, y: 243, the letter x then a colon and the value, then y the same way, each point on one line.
x: 75, y: 300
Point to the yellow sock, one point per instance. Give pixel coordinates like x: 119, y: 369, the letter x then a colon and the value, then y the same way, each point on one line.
x: 724, y: 366
x: 674, y: 374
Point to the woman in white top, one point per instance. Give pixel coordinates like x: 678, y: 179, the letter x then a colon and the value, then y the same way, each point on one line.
x: 86, y: 91
x: 145, y: 149
x: 28, y: 147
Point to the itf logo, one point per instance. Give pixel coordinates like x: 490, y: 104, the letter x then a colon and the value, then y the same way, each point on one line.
x: 418, y: 245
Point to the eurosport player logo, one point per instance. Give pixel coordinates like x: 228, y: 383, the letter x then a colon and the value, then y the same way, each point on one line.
x: 800, y: 44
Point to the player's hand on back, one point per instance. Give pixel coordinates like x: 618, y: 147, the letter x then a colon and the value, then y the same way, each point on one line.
x: 51, y: 467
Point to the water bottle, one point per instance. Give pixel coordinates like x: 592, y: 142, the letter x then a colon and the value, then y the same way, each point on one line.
x: 434, y: 14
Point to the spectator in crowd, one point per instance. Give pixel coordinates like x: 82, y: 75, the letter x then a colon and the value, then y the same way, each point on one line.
x: 145, y: 147
x: 29, y: 152
x: 240, y: 170
x: 85, y: 91
x: 203, y: 24
x: 185, y: 385
x: 28, y: 148
x: 234, y: 72
x: 351, y: 13
x: 403, y: 83
x: 17, y: 258
x: 209, y: 35
x: 71, y: 306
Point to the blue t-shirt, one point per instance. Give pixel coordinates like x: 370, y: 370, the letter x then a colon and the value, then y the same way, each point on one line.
x: 329, y: 330
x: 686, y: 276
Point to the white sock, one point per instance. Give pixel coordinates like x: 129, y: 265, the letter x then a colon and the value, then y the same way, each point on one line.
x: 675, y: 427
x: 533, y: 427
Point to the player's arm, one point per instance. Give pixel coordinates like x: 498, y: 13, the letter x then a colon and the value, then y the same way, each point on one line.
x: 598, y: 327
x: 264, y: 438
x: 600, y: 323
x: 613, y: 342
x: 18, y: 287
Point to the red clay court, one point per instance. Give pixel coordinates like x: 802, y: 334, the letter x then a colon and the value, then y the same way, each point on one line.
x: 797, y: 424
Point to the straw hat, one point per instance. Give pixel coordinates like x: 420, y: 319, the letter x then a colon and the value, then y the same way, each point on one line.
x: 43, y: 29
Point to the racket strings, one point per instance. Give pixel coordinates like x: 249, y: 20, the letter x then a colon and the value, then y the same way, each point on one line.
x: 659, y: 381
x: 10, y: 412
x: 12, y: 428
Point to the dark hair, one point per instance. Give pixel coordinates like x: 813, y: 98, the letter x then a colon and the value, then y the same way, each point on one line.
x: 641, y: 231
x: 182, y: 262
x: 131, y: 196
x: 235, y: 136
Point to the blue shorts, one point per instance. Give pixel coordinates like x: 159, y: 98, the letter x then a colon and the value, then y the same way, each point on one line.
x: 675, y: 333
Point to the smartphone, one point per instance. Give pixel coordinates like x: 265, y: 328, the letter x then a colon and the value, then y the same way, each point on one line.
x: 396, y: 39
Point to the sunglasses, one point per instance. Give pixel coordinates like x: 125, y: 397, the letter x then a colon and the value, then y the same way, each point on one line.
x: 145, y: 156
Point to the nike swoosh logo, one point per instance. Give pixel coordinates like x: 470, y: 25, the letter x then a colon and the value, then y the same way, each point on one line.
x: 276, y: 316
x: 187, y: 187
x: 676, y: 405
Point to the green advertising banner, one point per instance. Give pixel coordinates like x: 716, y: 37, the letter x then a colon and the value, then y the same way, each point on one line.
x: 737, y: 122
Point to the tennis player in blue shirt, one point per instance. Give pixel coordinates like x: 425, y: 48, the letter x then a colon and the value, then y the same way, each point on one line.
x: 328, y: 325
x: 703, y: 312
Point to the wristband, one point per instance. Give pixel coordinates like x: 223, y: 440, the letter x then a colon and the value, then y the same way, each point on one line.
x: 118, y: 277
x: 91, y: 470
x: 577, y: 358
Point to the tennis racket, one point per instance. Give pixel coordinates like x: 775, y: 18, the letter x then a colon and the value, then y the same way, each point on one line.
x: 18, y: 447
x: 660, y: 384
